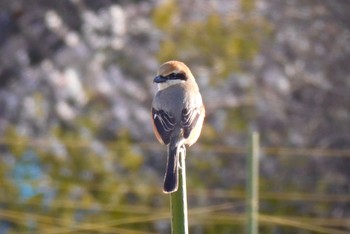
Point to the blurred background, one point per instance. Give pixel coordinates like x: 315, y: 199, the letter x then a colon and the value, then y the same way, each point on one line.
x: 77, y: 152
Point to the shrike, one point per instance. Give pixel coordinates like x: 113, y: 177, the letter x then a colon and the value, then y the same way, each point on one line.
x: 177, y: 115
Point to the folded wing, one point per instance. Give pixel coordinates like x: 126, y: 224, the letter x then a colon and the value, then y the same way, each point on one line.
x: 164, y: 124
x: 189, y: 120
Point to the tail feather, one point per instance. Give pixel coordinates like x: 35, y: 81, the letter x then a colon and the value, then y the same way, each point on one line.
x: 172, y: 171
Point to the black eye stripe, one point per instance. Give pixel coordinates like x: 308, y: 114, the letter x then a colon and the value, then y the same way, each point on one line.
x: 176, y: 76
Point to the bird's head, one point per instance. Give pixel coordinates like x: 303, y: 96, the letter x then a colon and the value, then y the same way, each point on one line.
x: 172, y: 73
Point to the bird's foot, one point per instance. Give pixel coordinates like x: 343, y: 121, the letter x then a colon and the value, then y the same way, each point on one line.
x: 182, y: 153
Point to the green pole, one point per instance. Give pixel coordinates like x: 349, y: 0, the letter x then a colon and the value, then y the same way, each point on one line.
x: 253, y: 185
x: 178, y: 200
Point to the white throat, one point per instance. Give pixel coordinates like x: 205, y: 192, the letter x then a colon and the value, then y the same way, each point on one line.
x: 169, y: 83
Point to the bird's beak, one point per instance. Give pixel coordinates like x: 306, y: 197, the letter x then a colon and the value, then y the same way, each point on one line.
x: 159, y: 79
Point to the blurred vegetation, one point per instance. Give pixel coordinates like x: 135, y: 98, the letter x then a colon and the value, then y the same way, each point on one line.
x: 225, y: 43
x: 77, y: 153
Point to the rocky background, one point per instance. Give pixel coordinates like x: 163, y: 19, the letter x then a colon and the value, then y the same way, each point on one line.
x: 77, y: 152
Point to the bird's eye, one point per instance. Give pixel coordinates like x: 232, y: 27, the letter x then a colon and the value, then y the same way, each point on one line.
x: 176, y: 76
x: 173, y: 76
x: 181, y: 76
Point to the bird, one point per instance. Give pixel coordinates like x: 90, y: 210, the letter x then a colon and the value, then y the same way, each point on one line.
x: 177, y: 115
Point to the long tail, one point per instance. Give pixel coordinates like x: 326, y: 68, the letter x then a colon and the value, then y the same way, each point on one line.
x: 171, y: 175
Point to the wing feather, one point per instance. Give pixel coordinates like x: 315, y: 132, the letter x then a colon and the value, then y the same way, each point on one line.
x: 164, y: 124
x: 189, y: 120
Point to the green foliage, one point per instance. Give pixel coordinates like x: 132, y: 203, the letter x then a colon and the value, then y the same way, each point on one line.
x: 222, y: 43
x: 237, y: 119
x: 164, y: 15
x: 247, y: 5
x: 127, y: 158
x: 78, y: 180
x: 20, y: 141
